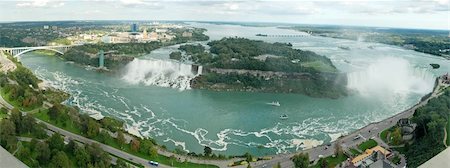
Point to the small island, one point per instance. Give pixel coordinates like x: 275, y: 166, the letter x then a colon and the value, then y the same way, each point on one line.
x: 435, y: 66
x: 239, y: 64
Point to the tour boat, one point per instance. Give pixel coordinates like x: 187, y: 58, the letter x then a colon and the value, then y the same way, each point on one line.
x: 274, y: 104
x: 284, y: 117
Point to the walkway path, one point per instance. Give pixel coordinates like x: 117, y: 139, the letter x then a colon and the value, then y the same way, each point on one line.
x: 445, y: 137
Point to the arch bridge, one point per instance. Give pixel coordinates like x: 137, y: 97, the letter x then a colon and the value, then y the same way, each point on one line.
x: 17, y: 51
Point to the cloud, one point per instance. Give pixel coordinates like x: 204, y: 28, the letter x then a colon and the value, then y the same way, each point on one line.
x: 140, y: 3
x: 40, y: 3
x: 395, y: 7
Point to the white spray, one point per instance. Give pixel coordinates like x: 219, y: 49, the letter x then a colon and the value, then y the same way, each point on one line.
x: 160, y: 73
x: 393, y: 76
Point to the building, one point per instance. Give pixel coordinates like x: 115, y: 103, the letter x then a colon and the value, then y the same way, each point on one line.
x: 407, y: 128
x: 134, y: 28
x: 144, y: 34
x: 153, y: 36
x: 8, y: 160
x: 46, y: 27
x: 370, y: 156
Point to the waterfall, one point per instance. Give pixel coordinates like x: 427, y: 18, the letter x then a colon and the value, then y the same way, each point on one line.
x: 392, y: 76
x: 163, y: 73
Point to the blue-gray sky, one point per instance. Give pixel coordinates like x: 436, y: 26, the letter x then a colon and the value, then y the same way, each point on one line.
x: 430, y: 14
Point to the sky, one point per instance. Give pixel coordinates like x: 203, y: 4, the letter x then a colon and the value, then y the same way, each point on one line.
x: 427, y: 14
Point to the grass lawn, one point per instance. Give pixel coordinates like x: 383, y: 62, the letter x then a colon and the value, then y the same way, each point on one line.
x: 354, y: 152
x: 67, y: 125
x: 319, y: 65
x: 367, y: 144
x: 383, y: 135
x: 332, y: 161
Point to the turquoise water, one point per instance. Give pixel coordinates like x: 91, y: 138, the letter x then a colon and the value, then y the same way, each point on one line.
x: 151, y: 96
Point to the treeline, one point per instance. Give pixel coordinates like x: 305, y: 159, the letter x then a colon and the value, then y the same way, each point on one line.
x: 120, y: 48
x: 45, y: 151
x: 314, y: 86
x: 431, y: 121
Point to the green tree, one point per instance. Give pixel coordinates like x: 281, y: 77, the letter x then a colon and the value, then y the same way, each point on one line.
x: 121, y: 164
x: 207, y: 151
x: 55, y: 111
x: 135, y: 144
x: 43, y: 153
x: 153, y: 152
x: 175, y: 55
x: 28, y: 123
x: 323, y: 163
x: 82, y: 157
x: 120, y: 139
x: 92, y: 128
x: 60, y: 160
x: 301, y: 160
x: 8, y: 128
x: 16, y: 117
x: 396, y: 136
x: 56, y: 142
x: 70, y: 147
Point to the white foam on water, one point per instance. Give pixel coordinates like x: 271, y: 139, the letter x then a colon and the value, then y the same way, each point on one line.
x: 164, y: 73
x: 177, y: 143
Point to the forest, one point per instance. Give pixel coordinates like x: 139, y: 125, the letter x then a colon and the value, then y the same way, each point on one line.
x: 241, y: 53
x: 431, y: 121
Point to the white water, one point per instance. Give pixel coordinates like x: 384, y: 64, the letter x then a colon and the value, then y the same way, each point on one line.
x: 391, y: 75
x: 159, y: 73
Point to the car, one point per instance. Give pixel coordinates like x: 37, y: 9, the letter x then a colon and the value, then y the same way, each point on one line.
x: 357, y: 137
x: 153, y: 163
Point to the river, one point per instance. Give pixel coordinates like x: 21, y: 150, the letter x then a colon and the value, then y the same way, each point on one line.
x: 153, y: 96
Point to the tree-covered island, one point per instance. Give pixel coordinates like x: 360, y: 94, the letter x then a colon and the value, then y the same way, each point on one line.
x: 239, y: 64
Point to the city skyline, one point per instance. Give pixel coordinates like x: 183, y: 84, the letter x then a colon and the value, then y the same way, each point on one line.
x: 423, y: 14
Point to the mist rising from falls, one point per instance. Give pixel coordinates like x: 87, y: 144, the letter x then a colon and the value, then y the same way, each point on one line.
x: 159, y: 73
x: 391, y: 75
